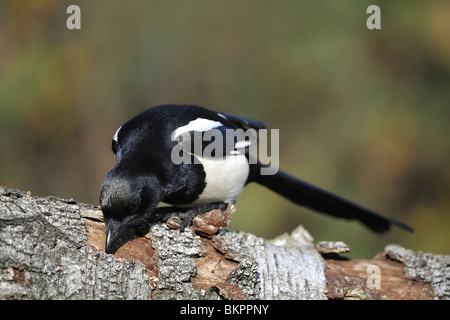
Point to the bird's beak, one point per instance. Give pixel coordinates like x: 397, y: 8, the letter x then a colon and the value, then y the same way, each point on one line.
x: 114, y: 229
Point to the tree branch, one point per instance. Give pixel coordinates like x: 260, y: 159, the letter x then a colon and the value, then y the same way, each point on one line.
x: 53, y: 248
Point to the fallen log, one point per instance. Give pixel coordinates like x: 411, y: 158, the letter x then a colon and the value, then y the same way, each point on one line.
x: 52, y: 248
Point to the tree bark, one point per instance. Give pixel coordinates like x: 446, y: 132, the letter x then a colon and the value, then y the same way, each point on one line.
x: 53, y: 248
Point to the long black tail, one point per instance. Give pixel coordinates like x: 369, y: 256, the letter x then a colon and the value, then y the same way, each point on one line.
x: 308, y: 195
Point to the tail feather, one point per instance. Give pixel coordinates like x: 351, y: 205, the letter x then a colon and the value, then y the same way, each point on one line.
x: 308, y: 195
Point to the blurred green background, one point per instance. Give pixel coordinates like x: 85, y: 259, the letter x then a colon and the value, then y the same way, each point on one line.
x: 363, y: 113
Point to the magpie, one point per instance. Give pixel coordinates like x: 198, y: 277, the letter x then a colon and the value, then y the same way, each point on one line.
x: 160, y: 157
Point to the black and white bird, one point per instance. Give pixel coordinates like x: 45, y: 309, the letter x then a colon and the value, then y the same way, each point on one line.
x: 147, y: 173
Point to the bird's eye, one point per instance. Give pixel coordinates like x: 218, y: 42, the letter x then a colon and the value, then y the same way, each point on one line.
x: 180, y: 138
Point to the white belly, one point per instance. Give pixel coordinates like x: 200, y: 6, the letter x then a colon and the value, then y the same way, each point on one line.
x: 225, y: 179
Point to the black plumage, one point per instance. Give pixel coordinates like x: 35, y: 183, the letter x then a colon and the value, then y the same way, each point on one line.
x: 145, y: 173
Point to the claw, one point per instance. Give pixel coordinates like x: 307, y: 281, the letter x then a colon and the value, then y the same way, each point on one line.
x: 190, y: 214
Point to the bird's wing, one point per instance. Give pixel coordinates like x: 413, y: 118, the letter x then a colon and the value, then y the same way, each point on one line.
x: 210, y: 138
x: 243, y: 122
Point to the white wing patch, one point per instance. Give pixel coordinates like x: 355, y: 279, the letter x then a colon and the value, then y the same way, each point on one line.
x: 198, y: 124
x: 242, y: 144
x: 222, y: 116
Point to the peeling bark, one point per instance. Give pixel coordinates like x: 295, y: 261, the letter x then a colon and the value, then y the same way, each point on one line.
x: 53, y: 248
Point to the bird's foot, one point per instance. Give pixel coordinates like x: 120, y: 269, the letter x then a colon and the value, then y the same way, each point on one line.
x: 189, y: 215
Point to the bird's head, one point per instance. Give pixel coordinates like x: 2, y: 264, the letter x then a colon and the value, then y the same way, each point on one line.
x: 125, y: 201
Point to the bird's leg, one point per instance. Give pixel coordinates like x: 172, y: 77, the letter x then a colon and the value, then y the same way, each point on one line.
x: 191, y: 213
x: 162, y: 214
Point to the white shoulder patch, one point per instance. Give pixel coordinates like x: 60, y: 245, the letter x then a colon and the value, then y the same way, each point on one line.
x: 115, y: 137
x: 198, y: 124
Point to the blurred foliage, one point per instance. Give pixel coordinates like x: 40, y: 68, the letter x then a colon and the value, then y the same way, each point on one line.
x: 363, y: 113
